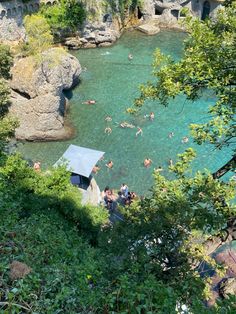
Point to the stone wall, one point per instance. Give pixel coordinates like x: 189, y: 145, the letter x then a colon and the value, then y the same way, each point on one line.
x: 11, y: 17
x: 166, y: 12
x: 163, y: 10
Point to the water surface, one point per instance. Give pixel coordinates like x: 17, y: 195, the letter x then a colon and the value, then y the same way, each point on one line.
x: 112, y: 80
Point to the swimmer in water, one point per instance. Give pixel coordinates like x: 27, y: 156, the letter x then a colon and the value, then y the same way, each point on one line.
x: 109, y: 164
x: 140, y: 131
x: 170, y: 162
x: 185, y: 139
x: 130, y: 57
x: 171, y: 134
x: 95, y: 169
x: 147, y: 162
x: 90, y: 102
x: 151, y: 116
x: 108, y: 130
x: 159, y: 169
x: 108, y: 118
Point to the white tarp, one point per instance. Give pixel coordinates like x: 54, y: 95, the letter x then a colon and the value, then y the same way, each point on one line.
x: 80, y: 160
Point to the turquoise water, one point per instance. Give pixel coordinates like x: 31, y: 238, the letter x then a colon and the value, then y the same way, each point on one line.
x: 113, y: 81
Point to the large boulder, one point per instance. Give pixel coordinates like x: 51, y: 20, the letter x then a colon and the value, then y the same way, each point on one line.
x: 100, y: 33
x: 149, y: 28
x: 37, y: 94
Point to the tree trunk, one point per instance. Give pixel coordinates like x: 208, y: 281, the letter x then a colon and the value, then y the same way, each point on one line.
x: 231, y: 164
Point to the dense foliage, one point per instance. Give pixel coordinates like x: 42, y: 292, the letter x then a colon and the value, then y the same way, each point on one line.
x: 6, y: 61
x: 64, y: 14
x: 39, y: 37
x: 144, y: 264
x: 7, y: 123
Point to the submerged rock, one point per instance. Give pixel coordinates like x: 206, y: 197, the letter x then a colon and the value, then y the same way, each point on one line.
x: 37, y: 94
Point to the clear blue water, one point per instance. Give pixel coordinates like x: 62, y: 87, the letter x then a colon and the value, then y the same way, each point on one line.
x: 112, y: 80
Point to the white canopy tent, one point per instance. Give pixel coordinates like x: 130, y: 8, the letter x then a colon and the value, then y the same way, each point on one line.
x: 80, y: 160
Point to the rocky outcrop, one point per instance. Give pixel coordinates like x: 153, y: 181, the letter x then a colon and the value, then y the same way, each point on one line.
x: 149, y: 28
x: 228, y: 286
x: 37, y: 94
x: 103, y: 21
x: 99, y: 34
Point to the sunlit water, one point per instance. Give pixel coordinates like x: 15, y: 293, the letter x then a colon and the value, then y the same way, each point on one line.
x: 112, y: 80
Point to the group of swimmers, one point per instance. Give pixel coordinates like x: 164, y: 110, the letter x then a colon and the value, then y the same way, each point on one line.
x: 123, y: 197
x: 108, y: 129
x: 96, y: 168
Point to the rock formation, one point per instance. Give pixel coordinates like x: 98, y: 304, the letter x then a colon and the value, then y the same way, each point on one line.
x: 103, y: 23
x: 37, y: 94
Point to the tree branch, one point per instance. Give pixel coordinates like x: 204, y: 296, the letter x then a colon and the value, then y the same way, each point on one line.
x: 224, y: 169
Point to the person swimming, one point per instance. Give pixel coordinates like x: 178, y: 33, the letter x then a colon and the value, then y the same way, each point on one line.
x: 90, y: 102
x: 125, y: 124
x: 159, y: 169
x: 130, y: 56
x: 151, y: 116
x: 108, y: 118
x: 147, y: 162
x: 185, y: 139
x: 171, y: 134
x: 95, y: 169
x: 170, y: 162
x: 109, y: 164
x: 108, y: 130
x: 140, y: 131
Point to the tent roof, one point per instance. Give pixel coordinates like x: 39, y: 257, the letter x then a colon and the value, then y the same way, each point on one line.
x: 80, y: 160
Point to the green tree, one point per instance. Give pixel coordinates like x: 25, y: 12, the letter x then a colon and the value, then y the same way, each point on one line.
x: 7, y: 123
x: 209, y: 62
x: 64, y: 14
x: 6, y: 61
x: 39, y: 37
x: 160, y: 245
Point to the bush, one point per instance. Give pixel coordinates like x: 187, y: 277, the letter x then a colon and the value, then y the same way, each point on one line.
x: 65, y: 14
x: 6, y: 61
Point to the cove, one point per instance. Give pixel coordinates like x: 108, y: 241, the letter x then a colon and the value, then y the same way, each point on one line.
x: 112, y: 80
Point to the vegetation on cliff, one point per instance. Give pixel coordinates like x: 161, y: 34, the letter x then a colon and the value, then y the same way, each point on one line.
x: 7, y: 123
x: 77, y: 262
x: 39, y: 37
x: 64, y: 14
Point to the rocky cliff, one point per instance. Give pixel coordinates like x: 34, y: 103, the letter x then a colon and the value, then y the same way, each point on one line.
x: 37, y: 94
x: 105, y: 19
